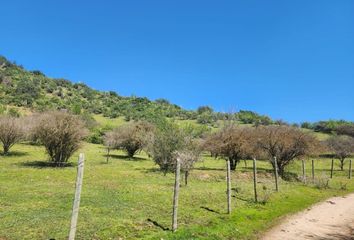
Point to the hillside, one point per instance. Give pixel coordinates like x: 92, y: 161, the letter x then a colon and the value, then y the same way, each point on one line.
x: 32, y: 89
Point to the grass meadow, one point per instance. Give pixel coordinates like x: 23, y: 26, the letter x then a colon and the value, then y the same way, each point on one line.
x: 130, y: 199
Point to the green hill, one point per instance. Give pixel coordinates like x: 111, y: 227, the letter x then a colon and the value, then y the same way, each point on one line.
x: 37, y: 92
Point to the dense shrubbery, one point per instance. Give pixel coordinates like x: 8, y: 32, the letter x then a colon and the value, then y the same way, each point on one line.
x: 331, y: 126
x: 285, y: 144
x: 131, y: 137
x: 231, y: 143
x: 60, y: 133
x: 11, y: 132
x: 33, y: 89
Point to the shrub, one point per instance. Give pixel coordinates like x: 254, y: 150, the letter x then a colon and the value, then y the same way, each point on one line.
x: 166, y: 141
x: 342, y: 146
x: 11, y: 132
x: 131, y: 137
x: 60, y: 133
x: 188, y: 155
x: 232, y: 143
x: 285, y: 143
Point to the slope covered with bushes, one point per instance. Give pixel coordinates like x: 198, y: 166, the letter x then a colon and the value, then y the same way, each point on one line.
x: 34, y: 90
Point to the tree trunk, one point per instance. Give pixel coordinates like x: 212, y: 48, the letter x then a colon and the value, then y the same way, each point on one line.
x: 341, y: 164
x: 108, y: 154
x: 6, y: 149
x: 233, y: 164
x: 131, y: 152
x: 186, y: 175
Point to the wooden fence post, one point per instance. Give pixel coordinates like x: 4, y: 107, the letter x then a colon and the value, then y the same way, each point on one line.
x: 332, y: 166
x: 175, y: 195
x: 350, y: 169
x: 76, y: 205
x: 276, y: 174
x: 108, y: 154
x: 255, y: 179
x: 313, y: 170
x: 228, y: 191
x: 303, y: 171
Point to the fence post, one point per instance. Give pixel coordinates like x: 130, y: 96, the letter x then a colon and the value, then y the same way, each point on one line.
x: 108, y: 154
x: 255, y: 179
x: 76, y: 205
x: 175, y: 195
x: 228, y: 191
x: 276, y: 174
x: 350, y: 169
x: 313, y: 170
x: 332, y: 166
x: 303, y: 171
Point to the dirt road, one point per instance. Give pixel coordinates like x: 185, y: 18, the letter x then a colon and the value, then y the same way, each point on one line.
x: 329, y: 220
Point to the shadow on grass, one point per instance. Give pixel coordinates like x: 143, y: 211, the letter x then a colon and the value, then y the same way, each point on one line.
x: 124, y: 157
x: 210, y: 210
x: 45, y: 164
x: 13, y: 154
x: 209, y: 169
x: 158, y: 225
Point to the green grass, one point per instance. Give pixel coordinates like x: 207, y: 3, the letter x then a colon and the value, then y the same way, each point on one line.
x: 119, y: 197
x: 111, y: 122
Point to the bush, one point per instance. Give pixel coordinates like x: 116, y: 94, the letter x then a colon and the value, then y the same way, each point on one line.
x: 11, y: 132
x: 166, y: 140
x: 60, y: 133
x: 286, y: 143
x: 131, y: 137
x: 342, y: 146
x: 231, y: 143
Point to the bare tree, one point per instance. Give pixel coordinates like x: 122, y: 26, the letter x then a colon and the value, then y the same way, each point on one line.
x: 131, y: 137
x: 231, y: 143
x: 11, y: 132
x: 60, y: 133
x: 347, y: 129
x: 285, y: 144
x: 189, y: 155
x: 342, y: 146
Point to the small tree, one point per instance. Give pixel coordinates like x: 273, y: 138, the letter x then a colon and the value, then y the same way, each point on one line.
x: 11, y: 132
x: 131, y: 137
x: 347, y: 129
x: 61, y: 134
x: 342, y: 146
x: 231, y: 142
x: 285, y: 143
x: 189, y: 155
x: 166, y: 141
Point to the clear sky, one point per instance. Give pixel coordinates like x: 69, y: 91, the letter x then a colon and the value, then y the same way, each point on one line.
x: 290, y: 59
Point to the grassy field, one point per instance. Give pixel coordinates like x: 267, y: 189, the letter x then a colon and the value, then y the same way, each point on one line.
x: 131, y: 199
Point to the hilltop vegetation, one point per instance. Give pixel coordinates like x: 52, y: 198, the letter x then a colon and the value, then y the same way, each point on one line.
x: 34, y: 90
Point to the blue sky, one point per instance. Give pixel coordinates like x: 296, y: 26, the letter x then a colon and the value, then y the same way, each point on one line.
x: 292, y: 60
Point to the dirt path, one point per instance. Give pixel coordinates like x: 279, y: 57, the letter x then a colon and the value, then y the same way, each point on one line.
x: 329, y: 220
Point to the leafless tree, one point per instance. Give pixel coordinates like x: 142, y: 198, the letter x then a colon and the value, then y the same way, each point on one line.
x: 342, y: 146
x: 346, y: 130
x: 131, y: 137
x: 61, y: 134
x: 11, y: 132
x: 189, y: 155
x: 232, y: 143
x: 286, y: 144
